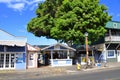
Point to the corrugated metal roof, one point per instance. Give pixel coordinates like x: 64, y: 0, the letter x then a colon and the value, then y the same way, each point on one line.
x: 11, y: 40
x: 113, y: 25
x: 12, y: 43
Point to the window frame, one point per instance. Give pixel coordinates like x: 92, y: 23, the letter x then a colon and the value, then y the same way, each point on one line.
x: 109, y: 54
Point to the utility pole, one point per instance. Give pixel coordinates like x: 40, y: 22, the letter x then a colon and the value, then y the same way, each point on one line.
x: 86, y: 41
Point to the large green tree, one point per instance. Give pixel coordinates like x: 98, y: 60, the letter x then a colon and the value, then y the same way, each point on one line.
x: 68, y: 20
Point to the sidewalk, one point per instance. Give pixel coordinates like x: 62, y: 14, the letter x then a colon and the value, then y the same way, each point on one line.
x: 109, y: 65
x: 69, y: 69
x: 47, y: 71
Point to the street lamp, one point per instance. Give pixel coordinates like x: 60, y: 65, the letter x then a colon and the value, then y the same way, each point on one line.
x: 86, y: 41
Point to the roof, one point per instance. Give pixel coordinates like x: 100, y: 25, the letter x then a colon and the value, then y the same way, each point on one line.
x: 10, y: 40
x: 113, y: 25
x: 41, y: 46
x: 81, y: 47
x: 31, y: 48
x: 55, y: 47
x: 12, y: 43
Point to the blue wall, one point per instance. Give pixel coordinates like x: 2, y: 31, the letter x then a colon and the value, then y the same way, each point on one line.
x: 21, y: 62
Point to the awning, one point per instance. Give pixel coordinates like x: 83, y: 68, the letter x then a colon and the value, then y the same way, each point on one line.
x: 13, y: 43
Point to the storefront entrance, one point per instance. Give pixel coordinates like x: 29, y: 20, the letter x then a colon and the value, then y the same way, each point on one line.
x: 58, y: 55
x: 7, y: 60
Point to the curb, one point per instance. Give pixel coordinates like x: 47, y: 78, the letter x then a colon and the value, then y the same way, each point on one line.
x: 7, y: 71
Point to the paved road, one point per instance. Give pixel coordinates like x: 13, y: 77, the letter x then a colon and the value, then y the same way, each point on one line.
x: 111, y: 74
x: 106, y: 74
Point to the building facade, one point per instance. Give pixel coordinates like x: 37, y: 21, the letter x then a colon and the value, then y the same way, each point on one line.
x: 58, y: 55
x: 12, y: 51
x: 108, y: 48
x: 32, y: 56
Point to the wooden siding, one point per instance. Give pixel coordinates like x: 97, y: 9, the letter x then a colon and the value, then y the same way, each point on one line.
x: 111, y: 59
x: 112, y: 38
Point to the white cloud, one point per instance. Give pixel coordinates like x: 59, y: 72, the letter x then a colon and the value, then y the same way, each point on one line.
x: 5, y: 1
x: 19, y: 5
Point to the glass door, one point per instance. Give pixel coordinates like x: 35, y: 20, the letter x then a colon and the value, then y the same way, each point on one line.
x: 7, y: 60
x: 1, y: 60
x: 12, y: 60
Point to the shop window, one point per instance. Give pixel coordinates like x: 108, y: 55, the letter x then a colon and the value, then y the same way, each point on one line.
x: 19, y: 57
x: 111, y: 54
x: 31, y: 56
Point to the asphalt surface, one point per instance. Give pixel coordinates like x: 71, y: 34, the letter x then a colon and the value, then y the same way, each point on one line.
x: 110, y: 74
x: 58, y: 74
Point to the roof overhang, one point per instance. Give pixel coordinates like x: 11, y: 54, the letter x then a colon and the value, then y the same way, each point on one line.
x: 59, y: 44
x: 30, y: 48
x: 13, y: 43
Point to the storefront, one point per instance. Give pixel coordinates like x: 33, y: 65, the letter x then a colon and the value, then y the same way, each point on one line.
x: 32, y: 56
x: 81, y: 54
x: 12, y: 51
x: 58, y: 55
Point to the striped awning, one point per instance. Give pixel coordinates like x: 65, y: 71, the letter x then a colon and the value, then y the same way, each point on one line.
x: 13, y: 43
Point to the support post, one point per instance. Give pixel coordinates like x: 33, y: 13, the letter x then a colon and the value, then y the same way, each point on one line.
x: 68, y: 54
x: 51, y: 57
x: 86, y: 41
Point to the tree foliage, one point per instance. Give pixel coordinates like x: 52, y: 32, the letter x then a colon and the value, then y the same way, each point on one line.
x: 68, y: 20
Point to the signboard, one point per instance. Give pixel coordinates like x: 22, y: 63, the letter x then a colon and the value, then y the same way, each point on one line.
x: 19, y: 58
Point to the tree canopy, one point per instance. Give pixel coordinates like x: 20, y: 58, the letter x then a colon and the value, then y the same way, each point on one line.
x: 68, y: 20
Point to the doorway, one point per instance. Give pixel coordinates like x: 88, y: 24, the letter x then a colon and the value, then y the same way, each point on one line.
x: 7, y: 60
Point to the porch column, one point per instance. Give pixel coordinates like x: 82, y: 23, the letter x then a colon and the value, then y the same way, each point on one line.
x: 68, y: 54
x: 51, y: 53
x: 93, y: 57
x: 44, y: 57
x: 110, y: 33
x: 104, y: 52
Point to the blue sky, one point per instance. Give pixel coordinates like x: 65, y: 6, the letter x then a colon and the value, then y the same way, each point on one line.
x: 15, y: 14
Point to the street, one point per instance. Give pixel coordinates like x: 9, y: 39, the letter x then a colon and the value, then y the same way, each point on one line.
x: 111, y: 74
x: 105, y: 74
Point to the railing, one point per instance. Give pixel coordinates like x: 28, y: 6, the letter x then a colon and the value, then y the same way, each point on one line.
x: 112, y: 38
x: 61, y: 62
